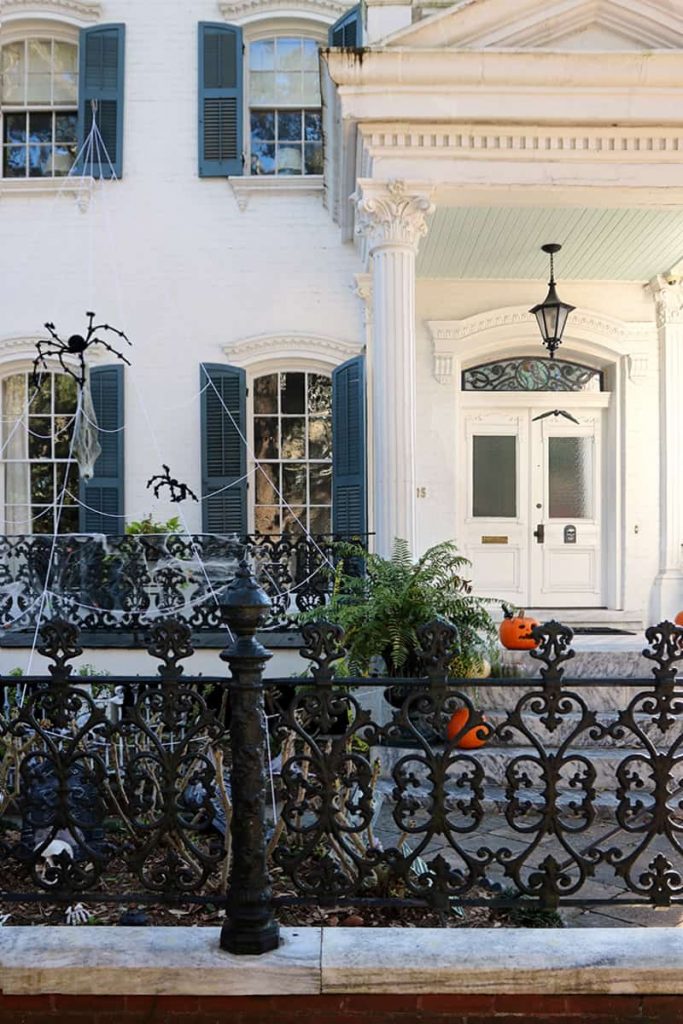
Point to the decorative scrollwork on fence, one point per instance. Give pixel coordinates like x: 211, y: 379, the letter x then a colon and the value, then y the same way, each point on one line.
x: 433, y: 792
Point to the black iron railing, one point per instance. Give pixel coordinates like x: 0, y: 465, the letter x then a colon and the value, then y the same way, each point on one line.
x: 157, y: 789
x: 115, y: 586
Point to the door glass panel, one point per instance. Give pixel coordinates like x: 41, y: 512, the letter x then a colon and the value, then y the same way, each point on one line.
x: 570, y: 477
x: 494, y: 482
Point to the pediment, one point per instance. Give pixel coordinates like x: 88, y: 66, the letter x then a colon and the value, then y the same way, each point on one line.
x: 566, y: 25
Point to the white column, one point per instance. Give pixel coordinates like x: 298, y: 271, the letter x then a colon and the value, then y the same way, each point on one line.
x: 393, y: 219
x: 668, y: 588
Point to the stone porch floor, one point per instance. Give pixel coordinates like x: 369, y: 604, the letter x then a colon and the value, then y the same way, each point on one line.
x: 494, y: 833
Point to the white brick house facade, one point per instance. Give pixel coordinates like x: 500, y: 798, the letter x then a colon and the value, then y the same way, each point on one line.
x: 456, y: 143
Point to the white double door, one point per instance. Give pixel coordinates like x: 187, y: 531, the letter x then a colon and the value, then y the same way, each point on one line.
x: 532, y: 508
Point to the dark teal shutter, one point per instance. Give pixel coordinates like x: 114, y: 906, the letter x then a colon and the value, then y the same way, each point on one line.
x: 349, y: 459
x: 224, y: 452
x: 101, y: 83
x: 220, y: 100
x: 346, y: 31
x: 104, y: 493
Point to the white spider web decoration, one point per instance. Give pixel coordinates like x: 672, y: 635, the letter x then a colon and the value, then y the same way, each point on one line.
x: 86, y: 445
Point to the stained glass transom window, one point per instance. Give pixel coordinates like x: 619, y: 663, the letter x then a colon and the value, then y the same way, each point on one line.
x: 531, y: 374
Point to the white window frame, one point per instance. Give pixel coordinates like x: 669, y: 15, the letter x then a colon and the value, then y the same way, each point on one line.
x: 302, y: 28
x: 19, y: 31
x: 12, y: 370
x: 281, y: 366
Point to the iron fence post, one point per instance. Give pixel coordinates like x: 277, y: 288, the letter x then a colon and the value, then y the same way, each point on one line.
x: 250, y: 925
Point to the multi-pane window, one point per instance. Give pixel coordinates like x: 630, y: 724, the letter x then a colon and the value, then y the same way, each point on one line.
x: 293, y: 446
x: 39, y: 99
x: 38, y: 478
x: 284, y: 101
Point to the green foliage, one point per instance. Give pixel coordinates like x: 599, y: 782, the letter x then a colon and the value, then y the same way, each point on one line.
x: 147, y: 525
x: 382, y: 609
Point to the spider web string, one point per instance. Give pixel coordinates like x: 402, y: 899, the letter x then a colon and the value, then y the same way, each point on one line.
x: 101, y: 148
x: 257, y: 463
x: 59, y: 506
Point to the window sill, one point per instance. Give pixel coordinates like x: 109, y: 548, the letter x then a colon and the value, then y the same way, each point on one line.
x: 80, y: 188
x: 246, y: 186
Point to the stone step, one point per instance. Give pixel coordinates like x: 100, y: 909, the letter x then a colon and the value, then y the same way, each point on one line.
x: 505, y: 694
x: 586, y: 664
x: 496, y: 717
x: 495, y: 801
x: 495, y: 760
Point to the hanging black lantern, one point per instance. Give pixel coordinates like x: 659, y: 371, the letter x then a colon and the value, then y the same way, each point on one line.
x: 552, y: 314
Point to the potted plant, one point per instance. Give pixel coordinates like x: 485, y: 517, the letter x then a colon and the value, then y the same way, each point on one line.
x: 382, y: 608
x: 382, y: 602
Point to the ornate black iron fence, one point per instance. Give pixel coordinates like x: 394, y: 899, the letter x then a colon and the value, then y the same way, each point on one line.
x: 115, y: 586
x: 169, y: 789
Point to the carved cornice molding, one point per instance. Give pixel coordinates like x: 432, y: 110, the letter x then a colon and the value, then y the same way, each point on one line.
x: 22, y: 349
x: 644, y: 24
x: 324, y: 10
x: 301, y: 347
x: 451, y: 339
x: 668, y: 298
x: 392, y: 214
x: 571, y: 143
x: 83, y: 10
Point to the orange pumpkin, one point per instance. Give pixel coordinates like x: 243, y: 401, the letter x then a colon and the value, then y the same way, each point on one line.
x: 679, y: 619
x: 515, y: 631
x: 473, y: 738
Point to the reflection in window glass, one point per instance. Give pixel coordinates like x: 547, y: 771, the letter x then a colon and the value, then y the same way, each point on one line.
x: 494, y: 476
x: 37, y: 472
x: 285, y: 115
x: 38, y: 85
x: 570, y: 477
x: 293, y: 445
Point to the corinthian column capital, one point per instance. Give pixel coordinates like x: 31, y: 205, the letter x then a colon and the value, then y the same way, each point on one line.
x: 668, y: 296
x: 392, y: 214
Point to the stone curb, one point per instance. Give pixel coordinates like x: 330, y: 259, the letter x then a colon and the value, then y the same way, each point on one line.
x: 188, y: 961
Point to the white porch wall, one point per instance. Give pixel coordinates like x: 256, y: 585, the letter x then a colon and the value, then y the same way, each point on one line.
x: 170, y: 258
x: 437, y: 415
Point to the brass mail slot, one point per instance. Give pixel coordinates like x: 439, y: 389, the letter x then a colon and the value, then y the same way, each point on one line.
x: 494, y: 540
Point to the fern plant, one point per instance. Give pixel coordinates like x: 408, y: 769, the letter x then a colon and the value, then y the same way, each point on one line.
x: 382, y: 609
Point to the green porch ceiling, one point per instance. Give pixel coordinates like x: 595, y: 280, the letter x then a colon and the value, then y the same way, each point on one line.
x: 597, y: 244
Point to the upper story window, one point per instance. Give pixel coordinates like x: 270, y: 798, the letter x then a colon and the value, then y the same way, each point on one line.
x: 38, y: 478
x: 284, y: 106
x: 39, y: 99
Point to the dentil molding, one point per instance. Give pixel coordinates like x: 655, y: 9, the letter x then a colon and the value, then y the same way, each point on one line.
x: 504, y: 142
x: 304, y: 347
x: 83, y: 10
x: 391, y: 214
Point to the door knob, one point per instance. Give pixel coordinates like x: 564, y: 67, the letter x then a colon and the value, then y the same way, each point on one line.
x: 539, y: 533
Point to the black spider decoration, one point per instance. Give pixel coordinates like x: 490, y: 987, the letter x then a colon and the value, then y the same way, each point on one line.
x: 179, y: 492
x: 77, y: 345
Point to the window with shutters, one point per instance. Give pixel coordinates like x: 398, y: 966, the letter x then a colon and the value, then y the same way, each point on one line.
x: 285, y: 117
x: 292, y: 443
x: 39, y: 104
x: 38, y: 479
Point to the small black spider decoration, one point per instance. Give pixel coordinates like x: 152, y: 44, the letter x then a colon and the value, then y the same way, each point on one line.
x: 77, y: 346
x: 179, y: 492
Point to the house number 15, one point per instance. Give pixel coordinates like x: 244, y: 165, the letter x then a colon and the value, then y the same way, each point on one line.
x: 422, y: 492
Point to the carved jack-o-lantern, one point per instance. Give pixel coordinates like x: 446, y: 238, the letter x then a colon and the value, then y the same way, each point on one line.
x: 515, y: 631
